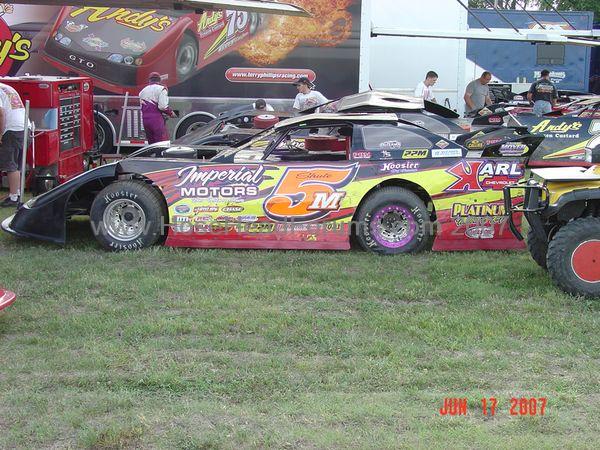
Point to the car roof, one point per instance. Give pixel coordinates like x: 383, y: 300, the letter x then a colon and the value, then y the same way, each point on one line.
x: 359, y: 117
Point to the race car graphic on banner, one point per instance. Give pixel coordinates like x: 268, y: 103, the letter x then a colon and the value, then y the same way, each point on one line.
x: 211, y: 62
x: 120, y: 47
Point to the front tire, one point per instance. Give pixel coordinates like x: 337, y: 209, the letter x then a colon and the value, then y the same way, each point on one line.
x: 393, y: 220
x: 574, y: 257
x: 127, y: 215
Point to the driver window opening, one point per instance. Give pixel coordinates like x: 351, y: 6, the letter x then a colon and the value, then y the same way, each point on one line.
x: 314, y: 144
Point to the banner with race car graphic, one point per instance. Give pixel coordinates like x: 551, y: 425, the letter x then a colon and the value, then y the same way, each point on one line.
x: 215, y: 54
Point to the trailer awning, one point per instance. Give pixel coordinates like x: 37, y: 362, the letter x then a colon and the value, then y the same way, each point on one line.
x: 569, y: 37
x: 259, y: 6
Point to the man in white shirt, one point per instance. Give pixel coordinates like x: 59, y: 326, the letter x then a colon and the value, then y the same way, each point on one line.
x: 12, y: 121
x: 424, y: 89
x: 307, y: 97
x: 154, y: 100
x: 262, y: 105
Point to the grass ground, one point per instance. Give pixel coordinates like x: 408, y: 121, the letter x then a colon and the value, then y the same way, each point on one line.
x: 250, y: 349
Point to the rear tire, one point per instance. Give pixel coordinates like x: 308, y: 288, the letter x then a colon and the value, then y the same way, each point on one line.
x: 127, y: 215
x: 393, y: 220
x: 190, y: 124
x: 538, y: 249
x: 574, y: 257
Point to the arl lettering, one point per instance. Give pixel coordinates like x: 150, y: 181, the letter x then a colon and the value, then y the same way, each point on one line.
x: 471, y: 175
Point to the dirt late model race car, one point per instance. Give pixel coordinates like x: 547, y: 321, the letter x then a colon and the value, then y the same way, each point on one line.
x: 566, y: 132
x: 309, y: 182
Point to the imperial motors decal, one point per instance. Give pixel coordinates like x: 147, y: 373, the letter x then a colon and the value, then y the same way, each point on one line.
x: 196, y: 181
x: 477, y: 176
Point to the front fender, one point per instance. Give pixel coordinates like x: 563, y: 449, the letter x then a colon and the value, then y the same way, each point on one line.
x: 44, y: 217
x: 566, y: 205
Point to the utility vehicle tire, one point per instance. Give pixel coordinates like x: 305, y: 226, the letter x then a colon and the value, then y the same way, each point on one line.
x: 127, y: 215
x: 574, y: 257
x: 538, y: 249
x: 393, y: 220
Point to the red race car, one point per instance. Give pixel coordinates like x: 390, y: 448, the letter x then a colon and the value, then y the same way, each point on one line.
x: 120, y: 47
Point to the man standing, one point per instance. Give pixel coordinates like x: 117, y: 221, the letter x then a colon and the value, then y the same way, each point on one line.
x: 543, y: 94
x: 307, y: 97
x: 154, y: 99
x: 424, y: 89
x: 12, y: 121
x: 477, y: 93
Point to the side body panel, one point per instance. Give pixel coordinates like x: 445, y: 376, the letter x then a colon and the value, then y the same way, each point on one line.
x: 312, y: 205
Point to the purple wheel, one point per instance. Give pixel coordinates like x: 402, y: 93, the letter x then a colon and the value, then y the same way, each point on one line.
x: 393, y: 226
x: 393, y: 220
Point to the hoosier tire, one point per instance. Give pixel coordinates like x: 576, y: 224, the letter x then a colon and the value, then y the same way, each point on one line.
x: 574, y: 257
x: 127, y: 215
x: 538, y: 249
x: 393, y: 220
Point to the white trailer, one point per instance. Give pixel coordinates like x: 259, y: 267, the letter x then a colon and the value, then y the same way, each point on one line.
x: 398, y: 64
